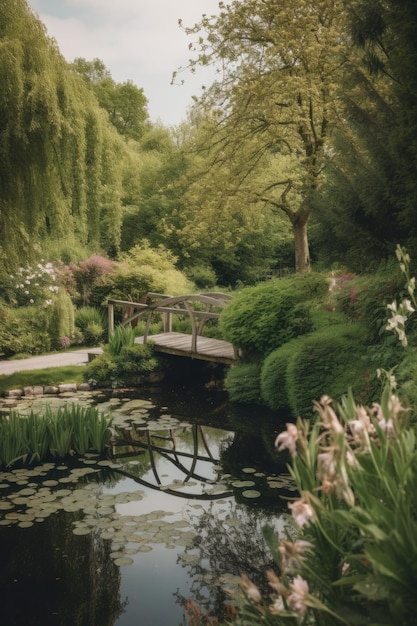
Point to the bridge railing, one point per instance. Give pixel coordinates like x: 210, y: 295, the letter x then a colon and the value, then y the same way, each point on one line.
x: 153, y: 302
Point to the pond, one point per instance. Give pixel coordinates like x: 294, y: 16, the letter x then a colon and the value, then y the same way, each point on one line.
x: 173, y: 516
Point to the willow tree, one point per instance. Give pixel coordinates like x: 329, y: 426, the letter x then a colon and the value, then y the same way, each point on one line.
x: 60, y: 175
x: 280, y: 62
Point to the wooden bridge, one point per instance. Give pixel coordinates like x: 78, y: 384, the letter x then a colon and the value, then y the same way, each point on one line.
x: 198, y: 309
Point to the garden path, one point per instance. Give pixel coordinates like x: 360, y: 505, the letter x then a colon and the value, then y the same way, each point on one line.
x: 60, y: 359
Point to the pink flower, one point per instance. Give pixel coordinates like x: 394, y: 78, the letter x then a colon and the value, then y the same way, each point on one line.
x: 302, y: 512
x: 298, y: 595
x: 288, y: 440
x: 251, y: 589
x: 292, y: 553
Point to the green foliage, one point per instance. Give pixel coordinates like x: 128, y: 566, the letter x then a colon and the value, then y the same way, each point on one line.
x: 204, y: 277
x: 351, y: 558
x: 23, y: 330
x: 92, y: 324
x: 135, y: 361
x: 328, y: 361
x: 122, y: 337
x: 125, y: 363
x: 60, y: 317
x: 243, y: 383
x: 124, y: 102
x: 260, y: 319
x: 145, y: 269
x: 58, y: 433
x: 274, y: 387
x: 364, y: 298
x: 89, y: 273
x: 101, y: 370
x: 61, y: 159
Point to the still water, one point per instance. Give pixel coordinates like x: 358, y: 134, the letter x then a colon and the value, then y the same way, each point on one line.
x: 174, y: 515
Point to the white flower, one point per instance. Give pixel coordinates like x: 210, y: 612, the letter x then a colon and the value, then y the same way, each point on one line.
x: 278, y: 605
x: 407, y: 306
x: 251, y: 589
x: 298, y: 595
x: 288, y: 440
x: 326, y: 463
x: 395, y: 321
x: 31, y: 301
x: 302, y: 512
x: 292, y: 553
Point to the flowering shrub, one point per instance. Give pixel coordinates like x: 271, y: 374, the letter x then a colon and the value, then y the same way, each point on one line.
x: 352, y: 559
x: 88, y: 273
x: 33, y: 285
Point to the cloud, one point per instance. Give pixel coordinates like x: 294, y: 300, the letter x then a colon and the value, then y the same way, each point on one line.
x: 138, y: 40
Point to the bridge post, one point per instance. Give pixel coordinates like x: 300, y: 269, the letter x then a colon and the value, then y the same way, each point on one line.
x: 167, y: 322
x: 111, y: 318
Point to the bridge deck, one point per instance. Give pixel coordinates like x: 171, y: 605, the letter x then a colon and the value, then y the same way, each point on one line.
x: 214, y: 350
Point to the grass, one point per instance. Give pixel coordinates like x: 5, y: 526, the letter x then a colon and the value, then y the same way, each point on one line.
x: 56, y: 433
x: 46, y: 376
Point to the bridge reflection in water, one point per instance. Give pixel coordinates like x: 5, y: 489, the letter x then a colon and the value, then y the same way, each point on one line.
x: 157, y: 456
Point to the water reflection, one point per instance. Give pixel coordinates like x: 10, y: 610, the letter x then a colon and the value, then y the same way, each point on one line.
x: 182, y: 500
x: 50, y: 576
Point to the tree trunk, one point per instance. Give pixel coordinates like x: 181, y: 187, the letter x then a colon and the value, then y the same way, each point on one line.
x: 302, y: 253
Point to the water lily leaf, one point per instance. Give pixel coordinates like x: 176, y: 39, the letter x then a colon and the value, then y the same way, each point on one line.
x: 124, y: 560
x: 144, y: 549
x: 251, y: 493
x: 81, y: 530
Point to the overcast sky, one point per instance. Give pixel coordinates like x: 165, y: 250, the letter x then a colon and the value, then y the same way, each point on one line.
x: 137, y: 40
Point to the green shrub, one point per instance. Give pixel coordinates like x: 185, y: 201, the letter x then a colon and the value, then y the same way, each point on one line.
x: 243, y: 383
x: 122, y: 337
x: 136, y: 360
x: 365, y: 298
x: 88, y: 315
x: 274, y: 389
x: 24, y: 330
x: 100, y: 370
x: 92, y: 324
x: 125, y: 365
x: 60, y: 318
x: 145, y: 269
x: 406, y: 375
x: 329, y: 361
x: 203, y: 276
x: 262, y: 318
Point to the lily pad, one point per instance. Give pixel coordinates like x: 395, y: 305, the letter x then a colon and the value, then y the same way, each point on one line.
x: 124, y: 560
x: 251, y: 493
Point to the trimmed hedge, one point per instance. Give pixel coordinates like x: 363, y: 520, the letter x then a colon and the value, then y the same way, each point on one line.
x: 243, y: 383
x: 262, y: 318
x: 329, y: 361
x: 274, y: 388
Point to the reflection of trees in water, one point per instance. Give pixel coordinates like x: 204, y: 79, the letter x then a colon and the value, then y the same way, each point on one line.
x: 229, y: 542
x: 254, y: 450
x: 50, y: 576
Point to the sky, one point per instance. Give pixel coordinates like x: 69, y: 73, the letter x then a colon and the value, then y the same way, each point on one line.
x: 137, y: 40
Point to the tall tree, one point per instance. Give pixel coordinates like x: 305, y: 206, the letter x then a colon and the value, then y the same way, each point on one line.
x: 372, y: 184
x: 60, y: 176
x: 125, y: 103
x: 280, y: 64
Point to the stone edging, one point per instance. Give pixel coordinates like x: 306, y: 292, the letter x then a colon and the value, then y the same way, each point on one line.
x: 39, y: 390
